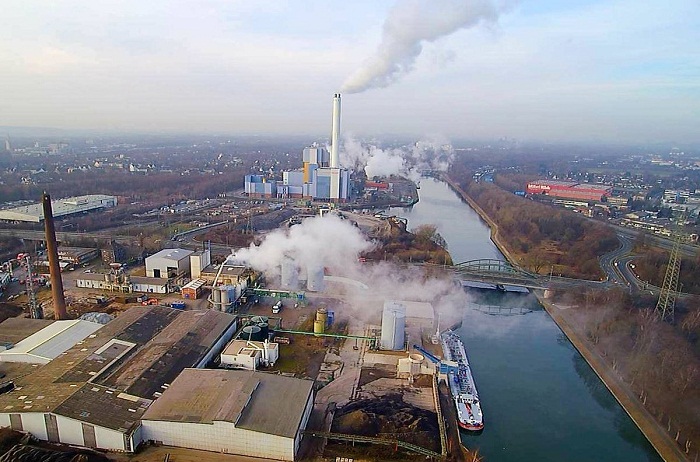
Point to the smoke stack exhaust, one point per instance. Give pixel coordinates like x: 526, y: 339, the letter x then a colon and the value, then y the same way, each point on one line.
x: 59, y: 301
x: 335, y: 133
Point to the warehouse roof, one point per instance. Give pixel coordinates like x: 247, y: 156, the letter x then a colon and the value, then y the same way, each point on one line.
x: 60, y: 207
x: 109, y: 378
x: 256, y: 401
x: 48, y: 343
x: 171, y: 254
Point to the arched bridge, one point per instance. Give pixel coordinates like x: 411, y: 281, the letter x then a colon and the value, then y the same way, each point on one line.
x: 497, y: 272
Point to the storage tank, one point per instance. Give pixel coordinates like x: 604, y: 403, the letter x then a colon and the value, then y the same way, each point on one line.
x: 251, y: 332
x: 322, y: 315
x: 415, y: 360
x: 319, y: 327
x: 314, y: 281
x: 290, y: 274
x: 216, y: 298
x: 264, y: 329
x: 393, y: 326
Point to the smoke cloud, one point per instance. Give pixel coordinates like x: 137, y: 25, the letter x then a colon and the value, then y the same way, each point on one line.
x: 411, y: 23
x: 335, y: 244
x: 434, y: 153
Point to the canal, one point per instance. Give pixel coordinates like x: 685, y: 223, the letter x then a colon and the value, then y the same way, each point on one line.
x: 541, y: 400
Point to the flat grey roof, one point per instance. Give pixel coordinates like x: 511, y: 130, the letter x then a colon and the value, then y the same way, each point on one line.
x: 172, y: 254
x: 256, y: 401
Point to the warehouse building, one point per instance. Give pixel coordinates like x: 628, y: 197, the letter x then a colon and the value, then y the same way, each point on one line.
x: 193, y: 289
x: 61, y: 207
x: 232, y: 411
x: 95, y: 393
x: 570, y: 190
x: 168, y: 263
x: 48, y: 343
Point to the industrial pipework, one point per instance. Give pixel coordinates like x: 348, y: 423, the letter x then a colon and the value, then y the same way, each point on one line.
x: 59, y: 300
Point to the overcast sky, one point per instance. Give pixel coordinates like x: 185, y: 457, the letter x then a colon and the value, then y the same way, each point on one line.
x: 615, y: 70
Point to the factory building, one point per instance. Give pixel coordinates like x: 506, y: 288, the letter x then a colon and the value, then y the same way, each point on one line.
x: 249, y: 354
x: 95, y: 393
x: 570, y: 190
x: 122, y: 283
x: 199, y: 261
x: 61, y: 207
x: 232, y: 411
x: 77, y: 255
x: 320, y: 178
x: 168, y: 263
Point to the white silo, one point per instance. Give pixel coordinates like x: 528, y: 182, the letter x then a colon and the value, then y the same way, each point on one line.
x: 393, y: 326
x: 290, y: 274
x: 314, y: 282
x: 216, y: 298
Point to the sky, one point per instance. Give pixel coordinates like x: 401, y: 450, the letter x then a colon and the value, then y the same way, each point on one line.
x: 550, y: 70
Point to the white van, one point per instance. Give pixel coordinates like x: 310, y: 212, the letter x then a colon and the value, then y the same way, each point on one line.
x: 277, y: 307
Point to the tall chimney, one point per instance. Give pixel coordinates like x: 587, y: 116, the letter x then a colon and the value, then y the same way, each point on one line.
x: 59, y: 301
x: 335, y: 133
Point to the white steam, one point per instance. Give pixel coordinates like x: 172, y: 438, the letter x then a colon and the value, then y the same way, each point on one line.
x: 319, y: 241
x: 433, y: 153
x: 411, y: 23
x: 335, y: 244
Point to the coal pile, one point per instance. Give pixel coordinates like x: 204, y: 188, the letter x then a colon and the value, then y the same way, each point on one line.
x: 391, y: 418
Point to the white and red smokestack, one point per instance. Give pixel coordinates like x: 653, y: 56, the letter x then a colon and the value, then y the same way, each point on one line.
x: 335, y: 133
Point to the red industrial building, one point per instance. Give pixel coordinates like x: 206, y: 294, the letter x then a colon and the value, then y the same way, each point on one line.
x: 569, y: 190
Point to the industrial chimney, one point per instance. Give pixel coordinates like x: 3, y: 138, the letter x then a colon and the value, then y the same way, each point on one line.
x: 335, y: 133
x: 59, y: 301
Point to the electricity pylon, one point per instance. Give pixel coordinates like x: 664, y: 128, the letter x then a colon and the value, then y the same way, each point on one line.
x: 666, y: 305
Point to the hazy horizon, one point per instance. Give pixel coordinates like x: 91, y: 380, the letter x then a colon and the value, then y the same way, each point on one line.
x: 616, y: 72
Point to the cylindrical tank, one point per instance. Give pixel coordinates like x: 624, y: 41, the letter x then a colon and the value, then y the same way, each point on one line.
x: 319, y: 327
x: 264, y: 329
x: 225, y: 297
x: 322, y: 315
x: 314, y: 281
x: 216, y: 297
x: 251, y: 332
x: 415, y: 361
x: 393, y: 326
x: 290, y: 274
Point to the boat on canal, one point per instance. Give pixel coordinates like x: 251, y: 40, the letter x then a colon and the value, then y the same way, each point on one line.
x: 461, y: 383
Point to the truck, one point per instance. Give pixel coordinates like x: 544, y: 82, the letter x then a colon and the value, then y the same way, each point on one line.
x: 277, y: 307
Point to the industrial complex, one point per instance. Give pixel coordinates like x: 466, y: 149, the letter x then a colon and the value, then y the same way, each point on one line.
x: 570, y: 190
x: 321, y: 178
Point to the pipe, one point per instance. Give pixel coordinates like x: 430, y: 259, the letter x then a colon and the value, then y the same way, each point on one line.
x: 335, y: 132
x: 59, y: 301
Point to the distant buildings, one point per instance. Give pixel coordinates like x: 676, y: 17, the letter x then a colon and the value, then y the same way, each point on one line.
x: 61, y: 207
x: 570, y: 190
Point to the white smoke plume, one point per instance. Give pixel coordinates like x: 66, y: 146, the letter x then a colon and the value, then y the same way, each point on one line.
x: 409, y: 25
x: 335, y: 244
x: 316, y: 242
x: 434, y: 153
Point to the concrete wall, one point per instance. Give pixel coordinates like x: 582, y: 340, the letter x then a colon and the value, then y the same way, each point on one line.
x: 221, y: 437
x: 70, y: 431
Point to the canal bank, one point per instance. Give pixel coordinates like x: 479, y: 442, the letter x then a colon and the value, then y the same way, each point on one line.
x: 662, y: 442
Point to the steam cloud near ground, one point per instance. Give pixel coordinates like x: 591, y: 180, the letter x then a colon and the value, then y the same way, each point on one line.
x: 336, y: 244
x: 409, y: 25
x: 433, y: 153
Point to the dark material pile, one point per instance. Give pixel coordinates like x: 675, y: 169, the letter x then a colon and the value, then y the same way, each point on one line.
x: 391, y: 418
x: 22, y: 453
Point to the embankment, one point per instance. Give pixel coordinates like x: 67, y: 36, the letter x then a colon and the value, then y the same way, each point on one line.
x: 664, y: 444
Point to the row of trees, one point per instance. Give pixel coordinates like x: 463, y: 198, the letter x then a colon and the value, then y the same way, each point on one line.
x: 543, y: 238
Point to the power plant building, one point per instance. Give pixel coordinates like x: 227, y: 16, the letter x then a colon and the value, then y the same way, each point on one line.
x: 570, y: 190
x: 95, y: 393
x: 241, y: 412
x: 320, y: 178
